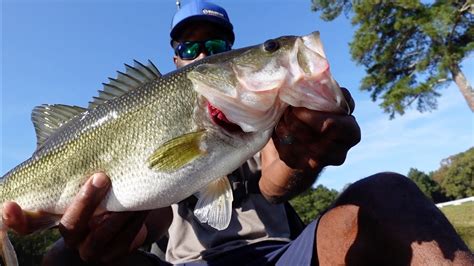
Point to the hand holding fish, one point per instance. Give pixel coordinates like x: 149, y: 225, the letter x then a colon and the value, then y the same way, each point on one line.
x: 306, y: 141
x: 80, y: 227
x: 318, y: 138
x: 106, y: 237
x: 85, y: 235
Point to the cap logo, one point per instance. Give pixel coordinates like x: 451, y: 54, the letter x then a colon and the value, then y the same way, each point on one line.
x: 212, y: 13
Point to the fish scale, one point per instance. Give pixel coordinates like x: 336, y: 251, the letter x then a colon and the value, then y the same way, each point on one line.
x: 156, y: 139
x: 112, y: 138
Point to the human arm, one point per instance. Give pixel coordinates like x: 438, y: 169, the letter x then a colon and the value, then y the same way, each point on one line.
x: 303, y: 143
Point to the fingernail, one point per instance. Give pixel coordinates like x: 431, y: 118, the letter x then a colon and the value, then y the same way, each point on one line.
x: 99, y: 181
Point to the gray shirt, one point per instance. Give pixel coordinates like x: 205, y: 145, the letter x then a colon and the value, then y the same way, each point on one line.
x: 255, y: 220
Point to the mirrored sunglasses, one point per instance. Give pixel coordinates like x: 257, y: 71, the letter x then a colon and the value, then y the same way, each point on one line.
x: 190, y: 50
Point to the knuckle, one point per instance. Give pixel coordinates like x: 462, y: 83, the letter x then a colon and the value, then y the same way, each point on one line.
x: 67, y: 226
x: 329, y: 124
x: 337, y: 159
x: 86, y: 255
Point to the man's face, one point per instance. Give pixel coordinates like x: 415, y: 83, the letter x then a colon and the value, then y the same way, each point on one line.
x: 197, y: 32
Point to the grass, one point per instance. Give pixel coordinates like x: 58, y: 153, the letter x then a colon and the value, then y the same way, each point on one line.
x: 462, y: 218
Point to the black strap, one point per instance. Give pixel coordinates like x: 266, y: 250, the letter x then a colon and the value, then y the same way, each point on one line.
x: 294, y: 221
x: 243, y: 185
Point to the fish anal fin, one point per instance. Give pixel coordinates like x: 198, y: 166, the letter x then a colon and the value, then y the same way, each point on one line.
x: 214, y: 205
x: 8, y: 253
x: 39, y: 220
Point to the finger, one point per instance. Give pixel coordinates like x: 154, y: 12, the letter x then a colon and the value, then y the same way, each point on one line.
x: 290, y: 126
x: 59, y: 254
x: 102, y: 234
x: 327, y: 124
x: 319, y: 152
x: 298, y: 129
x: 139, y: 238
x: 132, y: 236
x: 313, y: 119
x: 343, y: 130
x: 74, y: 223
x: 14, y: 218
x: 349, y: 99
x: 113, y: 236
x: 293, y: 155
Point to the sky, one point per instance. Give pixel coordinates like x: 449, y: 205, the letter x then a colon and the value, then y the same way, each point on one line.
x: 60, y: 51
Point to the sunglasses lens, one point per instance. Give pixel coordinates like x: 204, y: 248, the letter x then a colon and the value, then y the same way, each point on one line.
x: 188, y: 50
x: 191, y: 50
x: 216, y: 46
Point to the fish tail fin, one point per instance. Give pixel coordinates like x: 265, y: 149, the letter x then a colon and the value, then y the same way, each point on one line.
x: 7, y: 252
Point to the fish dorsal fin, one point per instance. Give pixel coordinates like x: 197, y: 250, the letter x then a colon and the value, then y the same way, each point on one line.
x: 48, y: 118
x: 214, y: 205
x: 134, y: 77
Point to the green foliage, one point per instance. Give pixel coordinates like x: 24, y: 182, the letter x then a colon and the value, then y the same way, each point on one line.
x: 31, y: 248
x: 427, y: 185
x: 462, y: 218
x: 453, y: 180
x: 312, y: 202
x: 456, y: 175
x: 407, y: 47
x: 331, y: 8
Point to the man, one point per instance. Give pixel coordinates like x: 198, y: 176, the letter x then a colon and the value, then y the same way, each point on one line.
x: 383, y: 219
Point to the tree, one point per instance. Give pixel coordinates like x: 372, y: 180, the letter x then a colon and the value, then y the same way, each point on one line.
x: 408, y: 48
x: 456, y: 175
x: 31, y: 248
x: 312, y: 202
x: 427, y: 185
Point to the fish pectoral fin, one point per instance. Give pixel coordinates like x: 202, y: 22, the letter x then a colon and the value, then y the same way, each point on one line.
x: 177, y: 152
x: 38, y: 220
x: 214, y: 205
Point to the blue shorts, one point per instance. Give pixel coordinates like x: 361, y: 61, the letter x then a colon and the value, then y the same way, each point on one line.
x: 297, y: 252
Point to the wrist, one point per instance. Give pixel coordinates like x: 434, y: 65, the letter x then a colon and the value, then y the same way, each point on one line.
x: 280, y: 183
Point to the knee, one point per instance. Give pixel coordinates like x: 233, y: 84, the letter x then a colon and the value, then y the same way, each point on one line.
x: 385, y: 187
x: 385, y: 182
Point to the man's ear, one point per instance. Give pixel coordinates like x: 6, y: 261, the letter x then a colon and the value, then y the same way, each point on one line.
x: 175, y: 60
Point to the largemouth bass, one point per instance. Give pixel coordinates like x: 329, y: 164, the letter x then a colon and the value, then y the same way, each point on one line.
x: 161, y: 139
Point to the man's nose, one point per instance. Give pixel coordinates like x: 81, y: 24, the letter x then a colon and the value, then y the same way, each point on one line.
x: 201, y: 56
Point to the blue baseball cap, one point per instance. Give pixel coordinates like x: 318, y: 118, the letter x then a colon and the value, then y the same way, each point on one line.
x: 199, y: 10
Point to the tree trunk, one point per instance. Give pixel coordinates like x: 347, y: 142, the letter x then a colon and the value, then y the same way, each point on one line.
x: 463, y: 85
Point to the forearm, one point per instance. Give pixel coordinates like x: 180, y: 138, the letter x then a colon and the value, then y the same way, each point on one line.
x: 279, y: 182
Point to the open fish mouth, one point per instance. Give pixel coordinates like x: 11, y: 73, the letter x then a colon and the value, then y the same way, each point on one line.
x: 219, y: 118
x: 251, y: 91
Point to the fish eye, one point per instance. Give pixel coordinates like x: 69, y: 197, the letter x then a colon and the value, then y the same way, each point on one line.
x: 271, y: 45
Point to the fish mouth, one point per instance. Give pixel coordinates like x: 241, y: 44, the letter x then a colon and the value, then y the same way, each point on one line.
x: 219, y: 118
